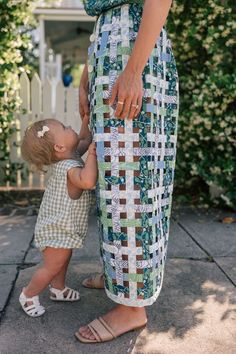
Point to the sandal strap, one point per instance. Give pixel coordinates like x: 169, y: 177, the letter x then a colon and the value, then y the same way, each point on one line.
x: 34, y: 299
x: 98, y: 339
x: 104, y: 332
x: 72, y: 294
x: 33, y: 309
x: 94, y: 281
x: 107, y: 327
x: 59, y: 294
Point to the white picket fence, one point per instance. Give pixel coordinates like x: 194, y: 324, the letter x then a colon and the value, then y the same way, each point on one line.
x: 37, y: 103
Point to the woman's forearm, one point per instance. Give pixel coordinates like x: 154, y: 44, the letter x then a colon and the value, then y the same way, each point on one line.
x: 153, y: 19
x: 84, y: 77
x: 85, y: 137
x: 84, y: 130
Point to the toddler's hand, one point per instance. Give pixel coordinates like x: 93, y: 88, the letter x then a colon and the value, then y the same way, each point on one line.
x: 92, y: 149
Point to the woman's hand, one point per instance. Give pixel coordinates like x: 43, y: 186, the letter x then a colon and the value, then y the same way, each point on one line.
x: 83, y: 94
x: 128, y: 87
x: 127, y: 94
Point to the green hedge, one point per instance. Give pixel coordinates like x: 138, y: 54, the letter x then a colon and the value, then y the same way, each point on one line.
x: 15, y: 17
x: 203, y: 38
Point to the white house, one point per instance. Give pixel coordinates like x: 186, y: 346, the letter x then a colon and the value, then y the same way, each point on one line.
x: 64, y: 29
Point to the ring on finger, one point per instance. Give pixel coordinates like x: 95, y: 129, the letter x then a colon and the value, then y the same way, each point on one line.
x: 135, y: 105
x: 120, y: 102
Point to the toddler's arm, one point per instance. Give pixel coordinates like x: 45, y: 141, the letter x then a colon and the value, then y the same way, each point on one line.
x: 86, y: 177
x: 85, y: 137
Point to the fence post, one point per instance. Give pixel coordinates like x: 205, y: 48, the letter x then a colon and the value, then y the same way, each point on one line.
x: 36, y: 98
x: 37, y: 104
x: 72, y: 114
x: 25, y: 116
x: 36, y: 178
x: 47, y: 99
x: 20, y: 123
x: 60, y: 102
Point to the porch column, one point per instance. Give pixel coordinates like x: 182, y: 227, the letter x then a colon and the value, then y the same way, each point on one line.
x: 42, y: 48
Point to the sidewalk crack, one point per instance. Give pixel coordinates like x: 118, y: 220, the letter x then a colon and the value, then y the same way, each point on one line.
x: 19, y: 267
x: 204, y: 250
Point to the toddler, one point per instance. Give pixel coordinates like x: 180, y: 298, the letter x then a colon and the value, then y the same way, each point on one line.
x: 63, y: 215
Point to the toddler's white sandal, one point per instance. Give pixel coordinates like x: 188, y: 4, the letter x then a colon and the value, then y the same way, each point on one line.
x: 67, y: 294
x: 34, y: 310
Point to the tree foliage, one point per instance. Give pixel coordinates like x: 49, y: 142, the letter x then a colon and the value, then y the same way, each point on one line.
x: 203, y: 38
x: 15, y: 16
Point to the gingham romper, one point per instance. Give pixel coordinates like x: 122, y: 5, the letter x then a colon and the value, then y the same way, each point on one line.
x: 136, y: 158
x: 62, y: 222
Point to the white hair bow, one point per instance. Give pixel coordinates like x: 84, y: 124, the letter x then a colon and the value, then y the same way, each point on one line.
x: 43, y: 131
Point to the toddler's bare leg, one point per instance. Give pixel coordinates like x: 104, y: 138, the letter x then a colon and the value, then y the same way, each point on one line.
x: 54, y: 260
x: 58, y: 281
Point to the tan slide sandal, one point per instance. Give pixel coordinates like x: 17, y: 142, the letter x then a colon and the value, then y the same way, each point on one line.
x: 94, y: 282
x: 101, y: 331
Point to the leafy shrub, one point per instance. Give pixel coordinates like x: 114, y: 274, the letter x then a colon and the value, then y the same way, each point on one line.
x: 203, y: 38
x: 15, y: 16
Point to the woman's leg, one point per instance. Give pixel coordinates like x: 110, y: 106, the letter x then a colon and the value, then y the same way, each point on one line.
x: 135, y: 174
x: 121, y: 319
x: 95, y: 281
x: 54, y: 261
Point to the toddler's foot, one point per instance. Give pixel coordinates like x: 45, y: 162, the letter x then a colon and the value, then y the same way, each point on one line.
x: 31, y: 305
x: 66, y: 294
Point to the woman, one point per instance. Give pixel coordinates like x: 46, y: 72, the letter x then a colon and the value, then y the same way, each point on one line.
x: 130, y: 90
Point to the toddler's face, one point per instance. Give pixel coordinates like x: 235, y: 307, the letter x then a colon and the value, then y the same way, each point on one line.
x: 65, y: 135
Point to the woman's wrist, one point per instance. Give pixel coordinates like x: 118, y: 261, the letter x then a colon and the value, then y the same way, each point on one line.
x: 134, y: 67
x: 153, y: 20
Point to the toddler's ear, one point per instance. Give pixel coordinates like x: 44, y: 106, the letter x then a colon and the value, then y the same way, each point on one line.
x: 59, y: 148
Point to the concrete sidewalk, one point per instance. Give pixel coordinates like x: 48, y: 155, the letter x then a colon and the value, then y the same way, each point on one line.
x: 195, y: 312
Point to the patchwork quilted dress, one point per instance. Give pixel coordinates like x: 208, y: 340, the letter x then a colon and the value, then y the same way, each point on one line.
x: 136, y: 158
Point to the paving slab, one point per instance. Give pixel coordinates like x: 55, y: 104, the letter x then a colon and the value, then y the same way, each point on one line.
x: 195, y: 313
x: 8, y: 275
x: 16, y: 233
x: 216, y: 238
x: 181, y: 245
x: 228, y: 264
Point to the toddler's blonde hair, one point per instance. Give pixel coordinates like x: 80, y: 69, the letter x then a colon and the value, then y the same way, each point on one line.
x: 39, y: 151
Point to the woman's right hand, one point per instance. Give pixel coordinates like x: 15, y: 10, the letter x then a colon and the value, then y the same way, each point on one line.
x: 83, y: 94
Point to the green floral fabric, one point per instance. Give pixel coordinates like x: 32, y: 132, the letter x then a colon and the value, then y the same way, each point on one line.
x: 136, y: 158
x: 96, y: 7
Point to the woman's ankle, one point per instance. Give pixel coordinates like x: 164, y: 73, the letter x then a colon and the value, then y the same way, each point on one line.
x: 135, y: 310
x: 139, y: 311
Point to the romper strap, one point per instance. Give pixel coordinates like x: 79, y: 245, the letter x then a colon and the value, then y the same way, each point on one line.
x: 62, y: 167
